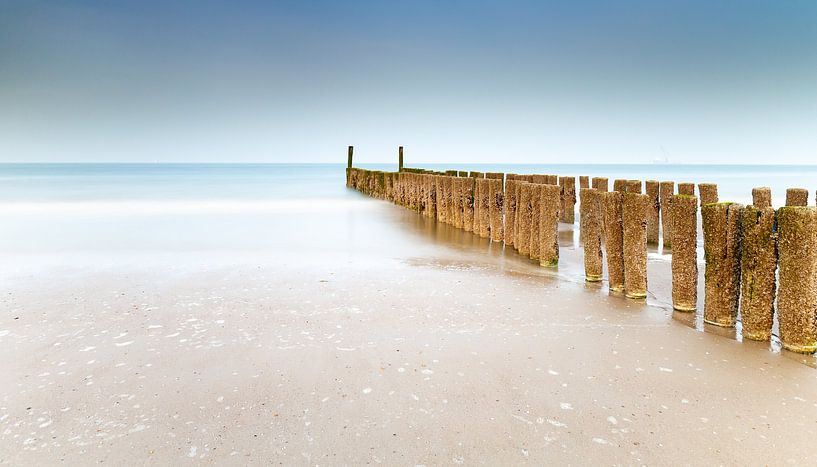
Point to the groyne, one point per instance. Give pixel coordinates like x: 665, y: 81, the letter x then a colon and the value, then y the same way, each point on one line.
x: 760, y: 263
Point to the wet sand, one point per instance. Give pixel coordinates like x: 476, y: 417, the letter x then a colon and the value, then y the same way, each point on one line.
x: 390, y: 339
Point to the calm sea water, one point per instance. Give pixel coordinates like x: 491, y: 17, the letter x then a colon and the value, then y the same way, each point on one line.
x: 265, y: 182
x: 101, y: 211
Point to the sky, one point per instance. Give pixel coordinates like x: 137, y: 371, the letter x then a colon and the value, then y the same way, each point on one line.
x: 693, y: 81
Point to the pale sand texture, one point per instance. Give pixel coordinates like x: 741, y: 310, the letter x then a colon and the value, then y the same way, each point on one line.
x: 393, y: 339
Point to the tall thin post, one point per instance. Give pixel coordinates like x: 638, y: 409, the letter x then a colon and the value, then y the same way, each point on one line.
x: 349, y: 157
x: 400, y: 159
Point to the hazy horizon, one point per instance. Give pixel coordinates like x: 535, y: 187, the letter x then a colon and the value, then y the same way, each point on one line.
x: 459, y: 82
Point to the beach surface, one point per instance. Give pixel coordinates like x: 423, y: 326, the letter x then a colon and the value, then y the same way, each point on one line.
x: 356, y: 332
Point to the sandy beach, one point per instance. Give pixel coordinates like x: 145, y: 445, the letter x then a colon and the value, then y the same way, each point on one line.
x: 387, y: 339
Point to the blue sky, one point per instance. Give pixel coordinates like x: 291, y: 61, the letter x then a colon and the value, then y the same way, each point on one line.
x: 480, y: 81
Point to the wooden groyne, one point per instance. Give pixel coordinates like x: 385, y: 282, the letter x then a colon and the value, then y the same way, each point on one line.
x: 760, y: 263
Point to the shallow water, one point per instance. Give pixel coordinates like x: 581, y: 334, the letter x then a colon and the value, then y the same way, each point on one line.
x: 248, y: 319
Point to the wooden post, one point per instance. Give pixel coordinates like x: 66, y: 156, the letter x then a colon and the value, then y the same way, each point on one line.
x: 722, y: 238
x: 349, y: 157
x: 614, y: 239
x: 665, y: 192
x: 684, y: 253
x: 762, y: 197
x: 686, y: 189
x: 796, y: 197
x: 708, y: 192
x: 797, y: 296
x: 634, y: 214
x: 651, y: 187
x: 549, y: 226
x: 758, y: 266
x: 591, y: 220
x: 399, y: 159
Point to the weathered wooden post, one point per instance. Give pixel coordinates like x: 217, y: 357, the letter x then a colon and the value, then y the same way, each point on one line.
x: 349, y: 165
x: 633, y: 186
x: 599, y: 183
x: 535, y: 220
x: 550, y: 200
x: 584, y: 182
x: 686, y: 189
x: 523, y: 218
x: 431, y: 195
x: 797, y: 295
x: 497, y: 200
x: 708, y: 192
x: 796, y: 197
x: 458, y: 185
x: 400, y: 159
x: 442, y: 202
x: 762, y: 197
x: 651, y: 187
x: 568, y: 211
x: 468, y: 204
x: 592, y: 225
x: 462, y: 173
x: 666, y: 192
x: 758, y: 265
x: 634, y: 214
x: 684, y: 252
x: 722, y: 239
x: 620, y: 185
x: 484, y: 208
x: 614, y: 239
x: 510, y: 209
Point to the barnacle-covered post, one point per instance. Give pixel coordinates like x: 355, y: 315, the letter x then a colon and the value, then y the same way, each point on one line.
x: 430, y: 193
x: 484, y: 208
x: 535, y: 220
x: 762, y: 197
x: 468, y: 204
x: 497, y: 203
x: 550, y: 200
x: 653, y: 211
x: 599, y: 183
x: 620, y: 185
x: 449, y: 195
x: 634, y: 214
x: 568, y: 211
x: 442, y: 199
x: 523, y: 218
x: 614, y: 239
x: 684, y: 252
x: 758, y: 265
x: 633, y: 186
x: 592, y: 225
x: 797, y: 294
x: 686, y: 189
x: 722, y: 239
x: 458, y: 187
x: 796, y: 197
x: 666, y: 192
x: 510, y: 209
x: 708, y: 193
x: 584, y: 182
